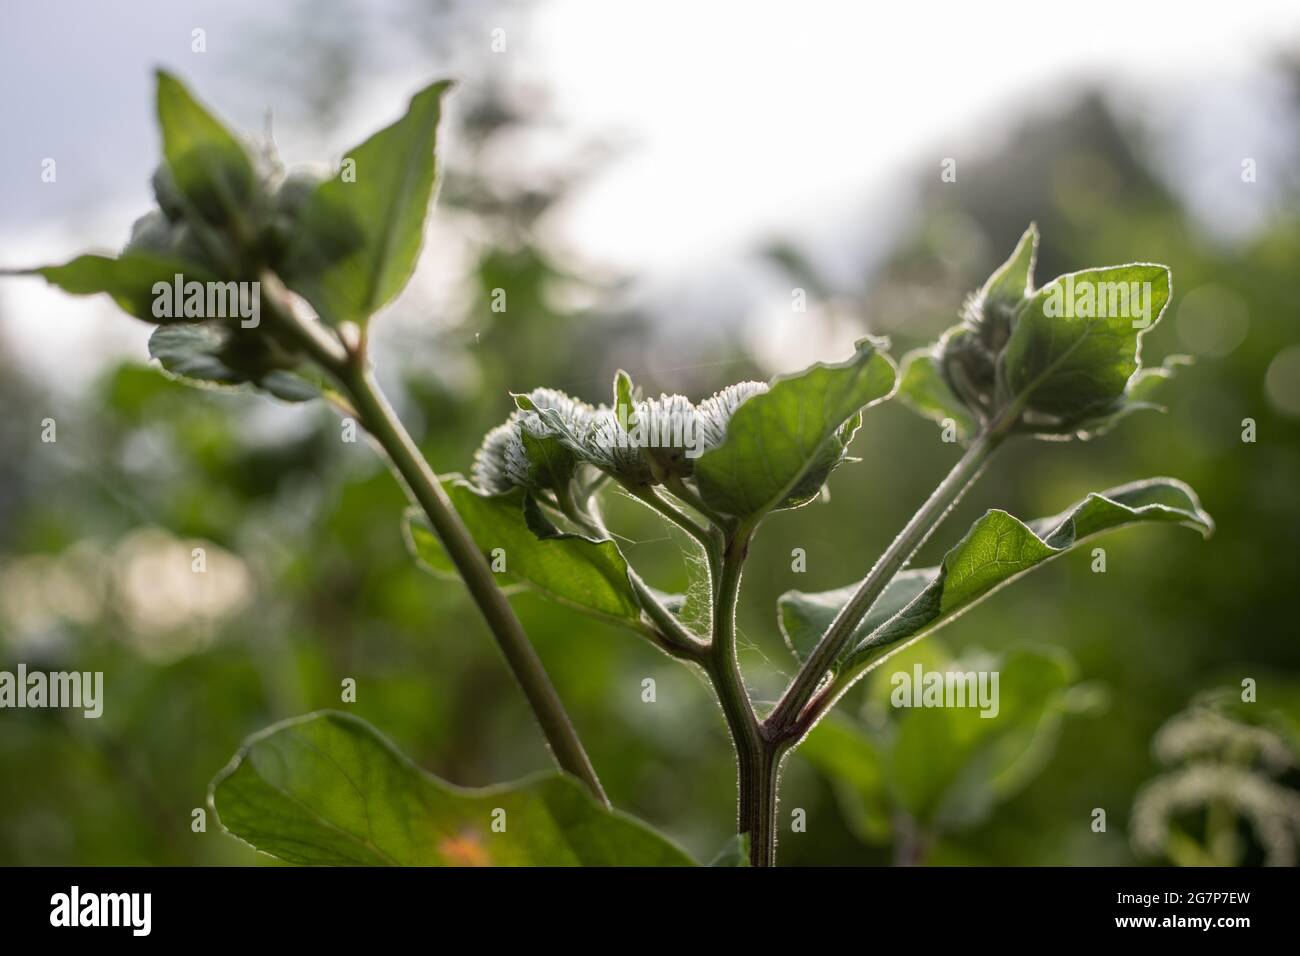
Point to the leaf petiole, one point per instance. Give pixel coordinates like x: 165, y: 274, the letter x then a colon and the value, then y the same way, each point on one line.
x: 786, y: 721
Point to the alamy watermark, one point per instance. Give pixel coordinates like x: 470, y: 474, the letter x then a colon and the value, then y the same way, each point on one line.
x: 649, y: 426
x: 180, y: 299
x: 922, y: 688
x: 1099, y: 300
x: 75, y: 690
x: 75, y: 908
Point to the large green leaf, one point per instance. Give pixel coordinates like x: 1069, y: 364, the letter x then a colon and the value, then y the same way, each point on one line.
x: 1076, y: 342
x: 1139, y: 395
x: 997, y: 550
x: 328, y: 789
x: 209, y: 165
x: 129, y: 279
x: 781, y: 444
x: 355, y: 243
x: 587, y: 574
x: 946, y: 767
x: 949, y: 766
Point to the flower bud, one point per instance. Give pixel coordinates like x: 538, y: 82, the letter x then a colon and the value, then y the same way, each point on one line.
x: 168, y: 193
x: 151, y: 233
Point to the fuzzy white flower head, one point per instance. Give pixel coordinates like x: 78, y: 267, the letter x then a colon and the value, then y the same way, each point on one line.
x: 715, y: 411
x: 495, y: 468
x: 607, y: 446
x: 530, y: 450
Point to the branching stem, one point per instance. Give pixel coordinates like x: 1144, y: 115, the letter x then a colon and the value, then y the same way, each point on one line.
x: 790, y: 719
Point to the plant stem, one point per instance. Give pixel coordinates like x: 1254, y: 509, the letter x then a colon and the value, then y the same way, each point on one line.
x: 381, y: 421
x: 786, y: 719
x: 755, y: 757
x: 758, y: 788
x: 376, y: 415
x: 909, y: 842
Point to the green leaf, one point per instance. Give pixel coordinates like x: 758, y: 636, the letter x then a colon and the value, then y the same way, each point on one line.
x: 922, y: 388
x: 209, y: 165
x: 1077, y: 342
x: 997, y: 550
x: 328, y: 789
x: 586, y: 574
x: 946, y: 767
x: 949, y: 766
x: 1149, y: 382
x: 734, y: 853
x: 781, y: 445
x: 804, y: 617
x: 552, y: 462
x: 624, y: 399
x: 996, y: 303
x: 301, y: 386
x: 356, y: 243
x: 191, y: 352
x: 129, y: 279
x: 1138, y: 396
x: 215, y: 355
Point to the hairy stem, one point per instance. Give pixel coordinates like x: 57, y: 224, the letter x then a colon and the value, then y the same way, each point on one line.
x: 788, y: 719
x: 755, y: 757
x: 758, y: 788
x: 381, y: 421
x: 376, y: 415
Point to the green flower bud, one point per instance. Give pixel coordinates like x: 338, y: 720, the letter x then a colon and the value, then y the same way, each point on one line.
x: 968, y: 367
x: 151, y: 233
x: 255, y: 355
x: 289, y: 201
x: 296, y: 189
x: 168, y: 194
x: 185, y: 243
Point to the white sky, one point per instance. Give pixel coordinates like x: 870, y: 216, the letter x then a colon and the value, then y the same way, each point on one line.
x: 742, y: 120
x: 755, y: 116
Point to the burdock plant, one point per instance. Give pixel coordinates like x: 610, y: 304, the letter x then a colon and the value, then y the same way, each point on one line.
x: 324, y: 254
